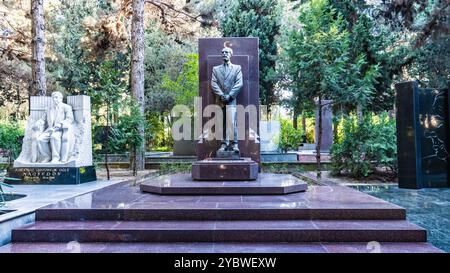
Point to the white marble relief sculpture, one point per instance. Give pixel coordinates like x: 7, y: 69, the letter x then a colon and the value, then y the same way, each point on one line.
x: 57, y: 134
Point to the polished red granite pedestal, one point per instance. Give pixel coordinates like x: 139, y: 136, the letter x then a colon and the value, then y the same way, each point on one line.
x: 220, y: 169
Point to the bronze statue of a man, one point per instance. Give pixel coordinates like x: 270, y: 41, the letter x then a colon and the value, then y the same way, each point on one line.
x: 226, y: 83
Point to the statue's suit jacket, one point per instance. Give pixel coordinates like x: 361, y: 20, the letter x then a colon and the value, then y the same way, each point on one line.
x: 226, y: 82
x: 63, y: 115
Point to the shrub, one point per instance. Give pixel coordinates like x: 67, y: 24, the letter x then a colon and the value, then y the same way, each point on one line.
x: 11, y: 135
x: 365, y: 146
x: 290, y: 138
x: 125, y: 135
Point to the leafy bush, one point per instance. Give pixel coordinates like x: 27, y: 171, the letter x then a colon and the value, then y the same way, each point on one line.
x: 290, y: 138
x: 125, y: 134
x: 11, y: 134
x: 365, y: 146
x: 157, y: 138
x: 185, y: 86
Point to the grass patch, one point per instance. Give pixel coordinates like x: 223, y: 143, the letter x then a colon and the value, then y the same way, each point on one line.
x: 175, y: 167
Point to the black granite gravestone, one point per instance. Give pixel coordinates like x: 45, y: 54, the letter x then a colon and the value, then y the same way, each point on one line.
x: 52, y: 175
x: 422, y: 136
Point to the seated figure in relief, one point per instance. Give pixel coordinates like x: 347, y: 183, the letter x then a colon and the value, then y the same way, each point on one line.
x: 52, y: 135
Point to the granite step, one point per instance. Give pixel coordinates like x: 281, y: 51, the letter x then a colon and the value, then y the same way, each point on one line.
x: 212, y: 184
x: 219, y: 247
x: 223, y: 211
x: 221, y: 231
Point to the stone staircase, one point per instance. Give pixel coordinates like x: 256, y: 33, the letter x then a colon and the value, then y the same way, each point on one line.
x: 323, y: 219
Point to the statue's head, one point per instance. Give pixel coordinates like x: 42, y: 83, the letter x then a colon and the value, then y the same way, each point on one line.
x: 57, y: 97
x: 227, y: 52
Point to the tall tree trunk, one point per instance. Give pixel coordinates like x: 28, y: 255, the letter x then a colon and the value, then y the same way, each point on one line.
x: 304, y: 125
x: 295, y: 119
x: 319, y: 139
x: 137, y: 71
x: 39, y: 86
x: 107, y: 143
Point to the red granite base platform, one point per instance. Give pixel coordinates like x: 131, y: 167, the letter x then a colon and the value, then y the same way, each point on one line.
x: 122, y: 219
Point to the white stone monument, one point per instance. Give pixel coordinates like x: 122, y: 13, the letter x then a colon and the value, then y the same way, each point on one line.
x: 270, y: 135
x: 57, y: 134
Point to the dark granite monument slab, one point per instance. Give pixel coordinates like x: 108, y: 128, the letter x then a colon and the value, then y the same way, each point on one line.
x: 52, y: 175
x: 265, y: 184
x: 221, y: 169
x: 245, y: 54
x: 422, y: 136
x: 327, y: 125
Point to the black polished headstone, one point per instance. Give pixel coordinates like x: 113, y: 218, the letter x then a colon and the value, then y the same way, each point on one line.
x: 422, y: 136
x: 52, y: 175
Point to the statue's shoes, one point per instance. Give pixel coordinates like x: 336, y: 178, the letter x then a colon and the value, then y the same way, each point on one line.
x: 223, y: 148
x: 45, y: 160
x: 55, y: 161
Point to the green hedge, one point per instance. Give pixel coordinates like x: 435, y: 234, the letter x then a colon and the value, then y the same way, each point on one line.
x: 365, y: 146
x: 11, y: 135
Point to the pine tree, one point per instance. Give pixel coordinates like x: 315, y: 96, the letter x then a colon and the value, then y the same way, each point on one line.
x: 257, y: 18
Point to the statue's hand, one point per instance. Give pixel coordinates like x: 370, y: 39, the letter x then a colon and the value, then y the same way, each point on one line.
x: 223, y: 98
x: 38, y: 125
x: 57, y: 127
x: 228, y: 98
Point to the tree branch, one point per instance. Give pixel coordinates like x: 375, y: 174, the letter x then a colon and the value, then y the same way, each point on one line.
x: 159, y: 5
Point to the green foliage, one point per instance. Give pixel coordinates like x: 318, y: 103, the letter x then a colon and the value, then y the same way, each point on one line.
x: 185, y: 87
x: 432, y: 63
x: 365, y: 146
x: 335, y: 49
x: 369, y: 75
x: 317, y: 53
x: 290, y: 138
x: 70, y: 70
x: 11, y: 134
x: 158, y: 139
x: 125, y: 134
x: 171, y: 77
x: 163, y: 59
x: 111, y: 86
x: 115, y: 109
x: 81, y: 38
x: 257, y: 18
